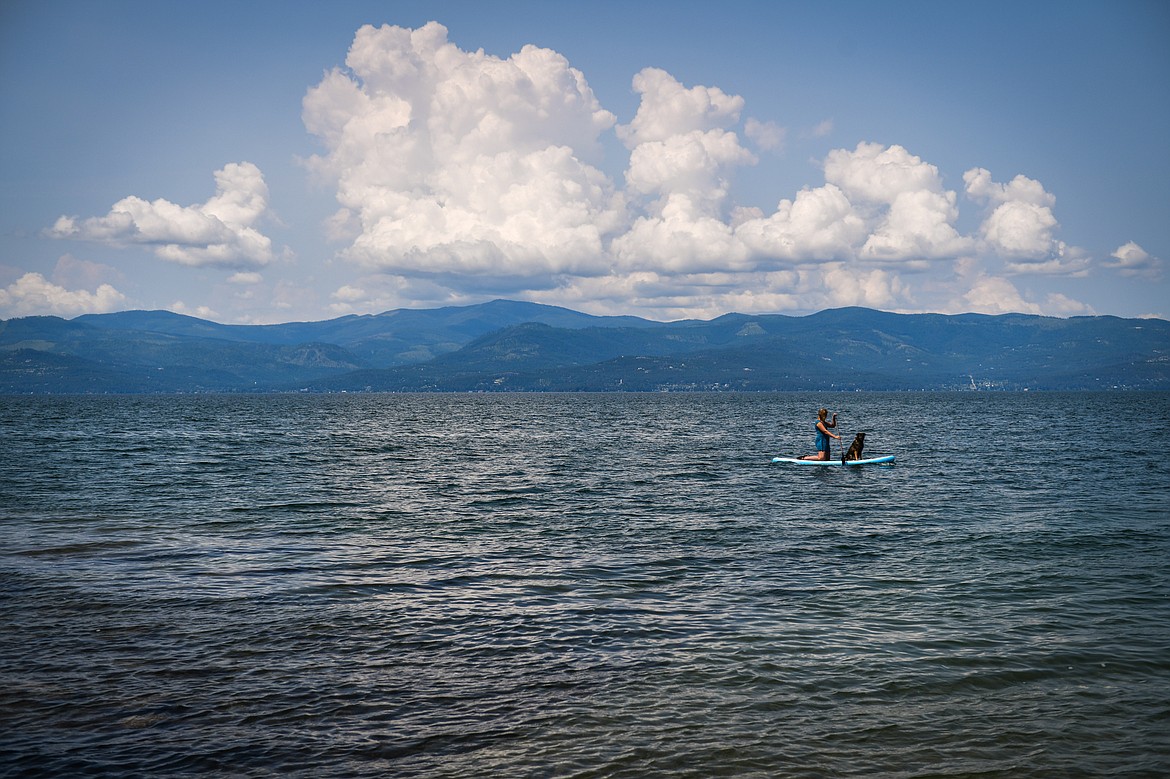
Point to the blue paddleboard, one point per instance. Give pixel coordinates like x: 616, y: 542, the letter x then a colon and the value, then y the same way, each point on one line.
x: 889, y: 458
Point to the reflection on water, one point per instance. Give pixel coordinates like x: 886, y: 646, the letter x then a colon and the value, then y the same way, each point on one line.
x: 592, y: 585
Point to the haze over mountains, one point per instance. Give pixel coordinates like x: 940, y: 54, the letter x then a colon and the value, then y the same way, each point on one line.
x: 514, y: 346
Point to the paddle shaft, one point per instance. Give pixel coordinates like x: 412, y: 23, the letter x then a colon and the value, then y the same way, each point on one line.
x: 839, y: 438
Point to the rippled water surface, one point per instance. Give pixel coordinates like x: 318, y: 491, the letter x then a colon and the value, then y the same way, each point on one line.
x: 584, y: 586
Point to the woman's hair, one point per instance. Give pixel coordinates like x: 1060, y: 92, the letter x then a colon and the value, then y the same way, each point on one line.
x: 824, y: 412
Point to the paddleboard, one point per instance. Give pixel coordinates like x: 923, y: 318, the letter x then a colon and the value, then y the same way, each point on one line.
x: 889, y: 458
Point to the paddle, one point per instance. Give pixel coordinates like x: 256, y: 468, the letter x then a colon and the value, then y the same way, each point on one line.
x: 840, y: 438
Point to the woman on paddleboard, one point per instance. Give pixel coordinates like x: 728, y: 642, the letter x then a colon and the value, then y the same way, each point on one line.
x: 823, y: 435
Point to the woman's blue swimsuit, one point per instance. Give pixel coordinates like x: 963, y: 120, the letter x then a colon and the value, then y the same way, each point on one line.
x: 822, y: 439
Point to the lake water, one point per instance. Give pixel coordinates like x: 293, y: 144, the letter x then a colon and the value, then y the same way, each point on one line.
x: 584, y: 586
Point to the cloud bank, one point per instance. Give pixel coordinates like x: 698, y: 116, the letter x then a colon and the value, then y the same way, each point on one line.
x: 471, y: 172
x: 460, y: 175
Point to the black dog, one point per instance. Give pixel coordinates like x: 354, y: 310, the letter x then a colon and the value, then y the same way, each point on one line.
x: 855, y: 448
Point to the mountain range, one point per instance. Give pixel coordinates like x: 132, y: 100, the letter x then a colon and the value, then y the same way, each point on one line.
x: 515, y: 346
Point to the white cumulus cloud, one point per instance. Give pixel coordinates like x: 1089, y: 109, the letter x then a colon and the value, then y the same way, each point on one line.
x: 454, y: 162
x: 911, y: 214
x: 694, y: 164
x: 817, y: 225
x: 682, y: 156
x: 669, y: 109
x: 873, y: 288
x: 1132, y: 260
x: 1021, y: 227
x: 219, y: 232
x: 878, y: 174
x: 33, y: 294
x: 880, y: 205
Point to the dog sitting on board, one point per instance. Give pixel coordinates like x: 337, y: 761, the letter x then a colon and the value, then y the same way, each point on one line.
x: 854, y: 452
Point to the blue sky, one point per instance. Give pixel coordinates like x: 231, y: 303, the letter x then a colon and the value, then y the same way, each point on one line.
x: 279, y: 161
